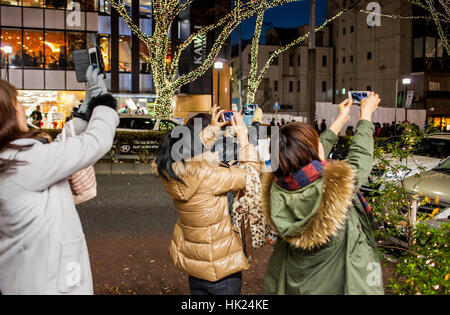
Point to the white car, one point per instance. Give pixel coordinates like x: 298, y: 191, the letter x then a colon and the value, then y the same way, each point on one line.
x: 429, y: 153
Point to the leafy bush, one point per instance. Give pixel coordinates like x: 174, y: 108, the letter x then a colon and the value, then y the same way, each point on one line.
x: 424, y: 267
x: 423, y: 260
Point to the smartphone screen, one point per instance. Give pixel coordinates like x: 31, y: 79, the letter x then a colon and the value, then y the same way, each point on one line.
x: 249, y: 109
x: 94, y: 62
x: 357, y: 97
x: 226, y: 116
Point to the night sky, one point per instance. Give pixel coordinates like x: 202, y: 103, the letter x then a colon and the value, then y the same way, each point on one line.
x: 285, y: 16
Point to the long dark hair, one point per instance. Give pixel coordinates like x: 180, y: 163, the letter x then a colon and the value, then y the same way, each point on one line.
x: 164, y: 159
x: 9, y: 125
x: 298, y: 146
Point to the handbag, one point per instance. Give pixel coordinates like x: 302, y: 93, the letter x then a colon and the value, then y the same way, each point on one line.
x: 83, y: 183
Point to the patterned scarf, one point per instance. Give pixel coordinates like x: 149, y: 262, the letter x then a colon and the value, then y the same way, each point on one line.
x: 309, y: 174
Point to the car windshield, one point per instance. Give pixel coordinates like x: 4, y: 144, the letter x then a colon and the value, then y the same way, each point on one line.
x: 435, y: 148
x: 137, y: 123
x: 444, y: 165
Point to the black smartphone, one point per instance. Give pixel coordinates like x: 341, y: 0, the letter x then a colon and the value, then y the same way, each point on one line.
x: 82, y: 59
x: 249, y: 109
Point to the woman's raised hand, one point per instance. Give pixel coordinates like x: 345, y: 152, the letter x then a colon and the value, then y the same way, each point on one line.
x: 215, y: 117
x: 239, y: 128
x: 344, y: 109
x: 343, y: 116
x: 369, y: 105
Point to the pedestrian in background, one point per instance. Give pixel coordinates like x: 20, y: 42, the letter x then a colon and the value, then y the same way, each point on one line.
x: 323, y: 126
x: 325, y: 243
x: 42, y: 245
x: 205, y: 245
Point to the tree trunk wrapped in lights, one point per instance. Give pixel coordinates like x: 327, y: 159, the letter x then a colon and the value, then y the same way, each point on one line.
x: 166, y: 77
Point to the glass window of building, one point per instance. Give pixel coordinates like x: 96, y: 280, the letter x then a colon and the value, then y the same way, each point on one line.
x: 89, y: 5
x: 91, y: 40
x: 105, y: 6
x: 33, y: 49
x: 56, y: 4
x: 418, y: 47
x: 33, y: 3
x: 105, y: 45
x: 430, y: 47
x: 10, y: 2
x: 55, y: 50
x: 125, y: 53
x: 74, y: 41
x: 144, y: 58
x: 13, y: 39
x: 440, y: 49
x: 145, y: 8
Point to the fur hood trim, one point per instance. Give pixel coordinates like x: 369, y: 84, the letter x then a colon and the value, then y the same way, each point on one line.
x: 337, y: 196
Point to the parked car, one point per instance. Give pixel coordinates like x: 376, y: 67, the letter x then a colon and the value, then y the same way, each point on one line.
x: 144, y: 123
x: 435, y: 182
x: 428, y: 154
x: 136, y: 123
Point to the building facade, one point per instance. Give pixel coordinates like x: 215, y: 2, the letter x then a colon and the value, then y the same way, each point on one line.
x: 286, y: 80
x: 379, y: 57
x: 370, y: 57
x: 43, y: 34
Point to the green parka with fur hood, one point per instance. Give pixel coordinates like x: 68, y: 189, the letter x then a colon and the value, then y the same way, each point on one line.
x: 325, y: 241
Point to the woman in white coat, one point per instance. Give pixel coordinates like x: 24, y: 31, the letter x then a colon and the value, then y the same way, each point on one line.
x: 42, y: 245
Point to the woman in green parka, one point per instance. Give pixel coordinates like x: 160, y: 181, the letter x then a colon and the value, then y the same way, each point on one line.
x: 325, y: 243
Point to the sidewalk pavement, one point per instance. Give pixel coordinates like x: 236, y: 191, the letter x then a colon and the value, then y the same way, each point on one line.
x: 110, y: 168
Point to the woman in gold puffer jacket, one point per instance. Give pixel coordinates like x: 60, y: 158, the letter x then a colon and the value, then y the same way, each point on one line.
x: 205, y: 245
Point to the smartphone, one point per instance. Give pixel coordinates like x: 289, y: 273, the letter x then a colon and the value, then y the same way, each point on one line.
x: 82, y: 59
x: 357, y: 96
x: 249, y: 109
x: 93, y: 57
x: 226, y: 116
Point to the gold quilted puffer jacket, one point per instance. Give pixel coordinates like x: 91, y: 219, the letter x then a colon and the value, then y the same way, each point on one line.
x: 205, y: 245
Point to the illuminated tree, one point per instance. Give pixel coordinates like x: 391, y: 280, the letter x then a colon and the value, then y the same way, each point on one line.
x: 254, y: 79
x: 166, y: 77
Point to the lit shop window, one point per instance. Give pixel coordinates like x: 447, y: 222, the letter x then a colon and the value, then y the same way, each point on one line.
x: 33, y: 49
x: 56, y: 4
x: 125, y: 53
x: 55, y: 50
x: 91, y: 40
x: 74, y: 41
x: 88, y: 5
x: 10, y: 2
x: 144, y: 58
x: 33, y: 3
x: 430, y: 47
x: 105, y: 6
x: 13, y: 39
x: 105, y: 45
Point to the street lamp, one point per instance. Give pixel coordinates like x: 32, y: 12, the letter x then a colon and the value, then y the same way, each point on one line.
x: 7, y: 50
x: 218, y: 65
x: 405, y: 82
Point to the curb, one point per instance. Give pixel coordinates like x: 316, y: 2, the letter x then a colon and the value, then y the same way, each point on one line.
x: 124, y: 169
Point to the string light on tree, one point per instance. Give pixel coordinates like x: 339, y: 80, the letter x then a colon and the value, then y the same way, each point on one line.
x: 166, y: 76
